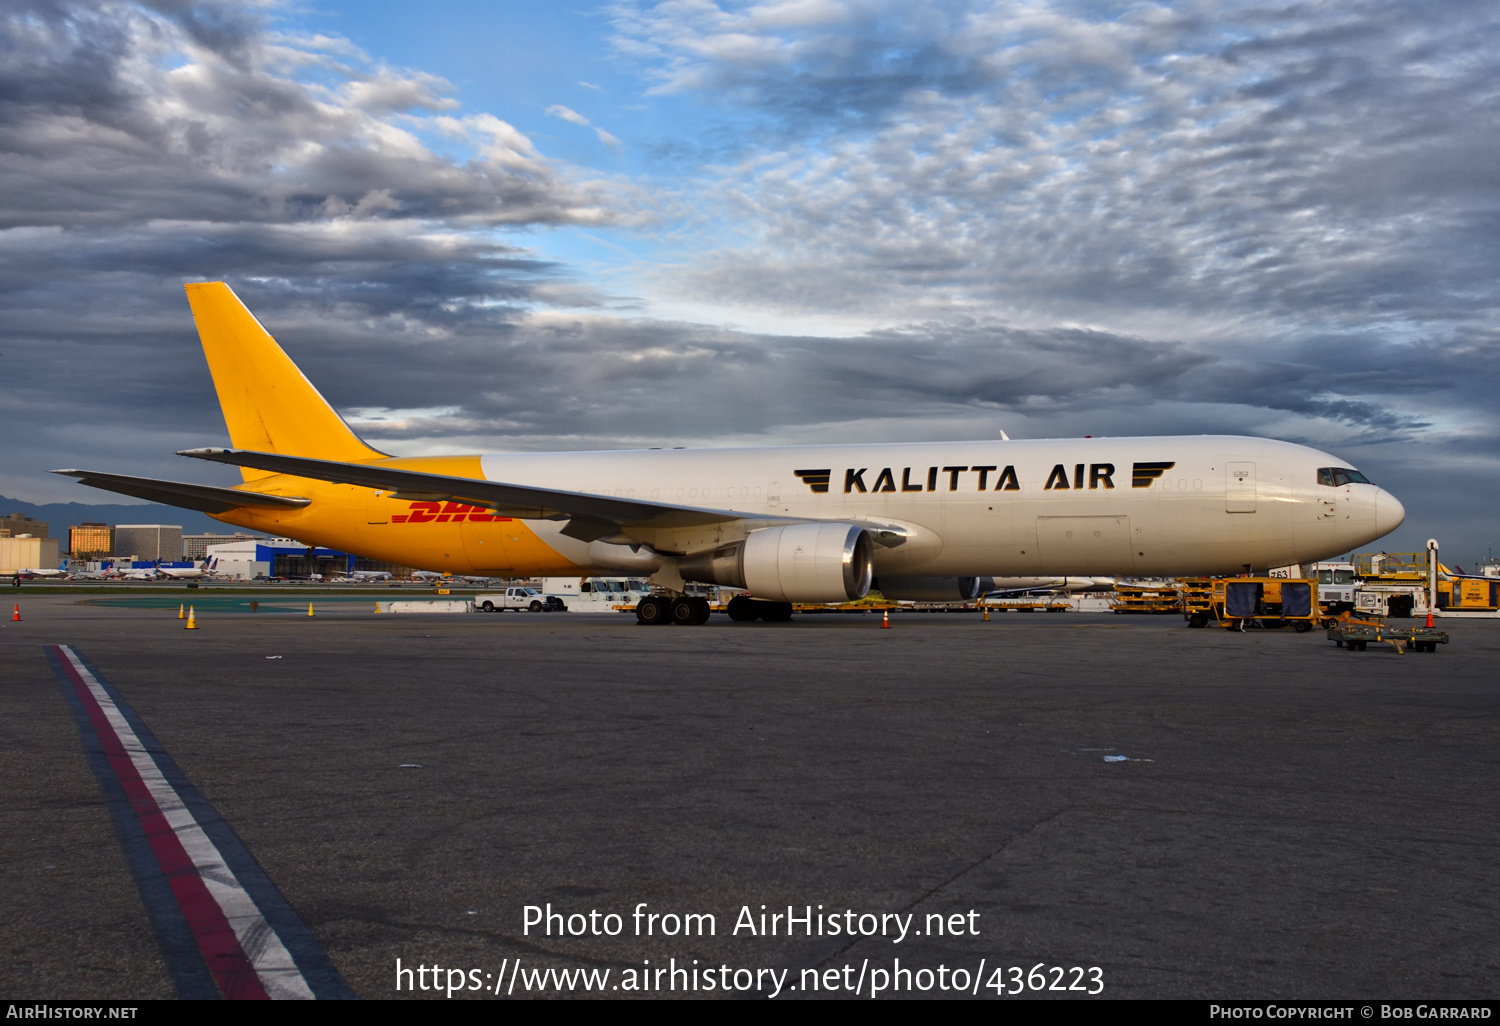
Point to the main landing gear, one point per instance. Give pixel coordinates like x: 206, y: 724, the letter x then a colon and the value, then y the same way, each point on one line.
x: 690, y: 611
x: 684, y: 610
x: 743, y: 610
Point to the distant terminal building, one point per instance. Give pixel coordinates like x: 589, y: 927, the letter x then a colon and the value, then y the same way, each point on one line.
x: 18, y: 524
x: 90, y: 541
x: 195, y: 546
x: 27, y: 554
x: 149, y: 541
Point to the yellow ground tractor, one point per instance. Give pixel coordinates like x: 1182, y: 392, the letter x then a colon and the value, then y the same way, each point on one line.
x: 1269, y: 602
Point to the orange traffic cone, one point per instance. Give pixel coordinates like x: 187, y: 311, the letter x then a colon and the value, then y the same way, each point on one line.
x: 16, y: 616
x: 181, y: 611
x: 1429, y: 616
x: 192, y: 623
x: 885, y: 620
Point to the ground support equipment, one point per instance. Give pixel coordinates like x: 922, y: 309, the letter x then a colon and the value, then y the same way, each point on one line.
x: 1356, y: 637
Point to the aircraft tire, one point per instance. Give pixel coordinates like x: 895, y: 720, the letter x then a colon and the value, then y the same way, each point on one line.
x: 653, y: 611
x: 776, y: 612
x: 741, y: 609
x: 684, y: 611
x: 702, y: 611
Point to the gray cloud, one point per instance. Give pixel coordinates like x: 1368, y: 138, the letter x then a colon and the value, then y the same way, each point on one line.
x: 1117, y: 165
x: 110, y: 114
x: 147, y: 144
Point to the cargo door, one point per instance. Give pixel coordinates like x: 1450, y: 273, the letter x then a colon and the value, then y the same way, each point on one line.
x: 1085, y: 545
x: 1239, y: 488
x: 485, y: 538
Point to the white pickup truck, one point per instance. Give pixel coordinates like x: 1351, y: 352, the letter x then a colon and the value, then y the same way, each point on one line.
x: 517, y: 599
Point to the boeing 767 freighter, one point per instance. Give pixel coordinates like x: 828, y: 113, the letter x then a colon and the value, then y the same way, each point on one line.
x: 788, y: 524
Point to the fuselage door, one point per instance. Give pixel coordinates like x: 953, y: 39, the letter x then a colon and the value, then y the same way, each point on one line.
x: 1239, y: 487
x: 485, y: 537
x: 1085, y: 545
x: 377, y: 508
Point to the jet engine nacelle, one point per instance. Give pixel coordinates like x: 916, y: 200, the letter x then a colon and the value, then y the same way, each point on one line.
x: 934, y: 589
x: 797, y: 563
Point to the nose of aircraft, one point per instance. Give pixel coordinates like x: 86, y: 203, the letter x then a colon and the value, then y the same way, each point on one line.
x: 1389, y: 513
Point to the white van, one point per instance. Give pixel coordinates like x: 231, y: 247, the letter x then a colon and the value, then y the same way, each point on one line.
x: 596, y: 594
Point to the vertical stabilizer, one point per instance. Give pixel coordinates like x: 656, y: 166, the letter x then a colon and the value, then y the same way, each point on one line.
x: 268, y: 404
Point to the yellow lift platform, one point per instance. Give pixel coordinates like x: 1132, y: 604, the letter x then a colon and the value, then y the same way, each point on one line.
x: 1456, y: 593
x: 1136, y: 598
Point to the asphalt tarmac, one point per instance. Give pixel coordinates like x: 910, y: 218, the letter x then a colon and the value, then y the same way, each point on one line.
x: 1290, y: 819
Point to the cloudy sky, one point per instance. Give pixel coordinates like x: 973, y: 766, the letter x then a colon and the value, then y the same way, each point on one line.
x: 514, y: 226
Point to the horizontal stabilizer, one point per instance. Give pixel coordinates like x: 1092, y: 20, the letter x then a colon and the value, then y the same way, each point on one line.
x: 204, y: 498
x: 519, y: 501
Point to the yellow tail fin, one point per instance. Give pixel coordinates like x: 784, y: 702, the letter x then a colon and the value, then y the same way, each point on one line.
x: 268, y: 404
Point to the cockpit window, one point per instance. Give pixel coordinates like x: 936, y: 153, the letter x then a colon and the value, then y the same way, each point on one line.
x: 1336, y: 476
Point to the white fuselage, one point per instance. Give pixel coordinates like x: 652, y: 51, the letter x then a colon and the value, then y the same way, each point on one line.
x: 1078, y: 507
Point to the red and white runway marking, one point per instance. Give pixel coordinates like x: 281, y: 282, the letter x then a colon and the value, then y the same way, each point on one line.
x: 242, y: 950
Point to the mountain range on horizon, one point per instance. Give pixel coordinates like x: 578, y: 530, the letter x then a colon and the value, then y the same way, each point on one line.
x: 59, y: 516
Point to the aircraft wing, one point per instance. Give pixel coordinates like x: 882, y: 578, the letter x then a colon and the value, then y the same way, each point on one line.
x: 204, y: 498
x: 593, y: 516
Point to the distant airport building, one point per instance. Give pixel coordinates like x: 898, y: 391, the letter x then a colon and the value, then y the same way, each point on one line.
x: 90, y: 541
x: 286, y: 557
x: 241, y: 560
x: 27, y: 554
x: 18, y: 524
x: 195, y: 546
x: 149, y: 541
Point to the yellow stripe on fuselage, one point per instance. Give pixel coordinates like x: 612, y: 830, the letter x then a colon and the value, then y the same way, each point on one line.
x: 426, y: 535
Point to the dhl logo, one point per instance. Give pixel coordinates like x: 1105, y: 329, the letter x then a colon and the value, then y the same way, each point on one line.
x: 445, y: 513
